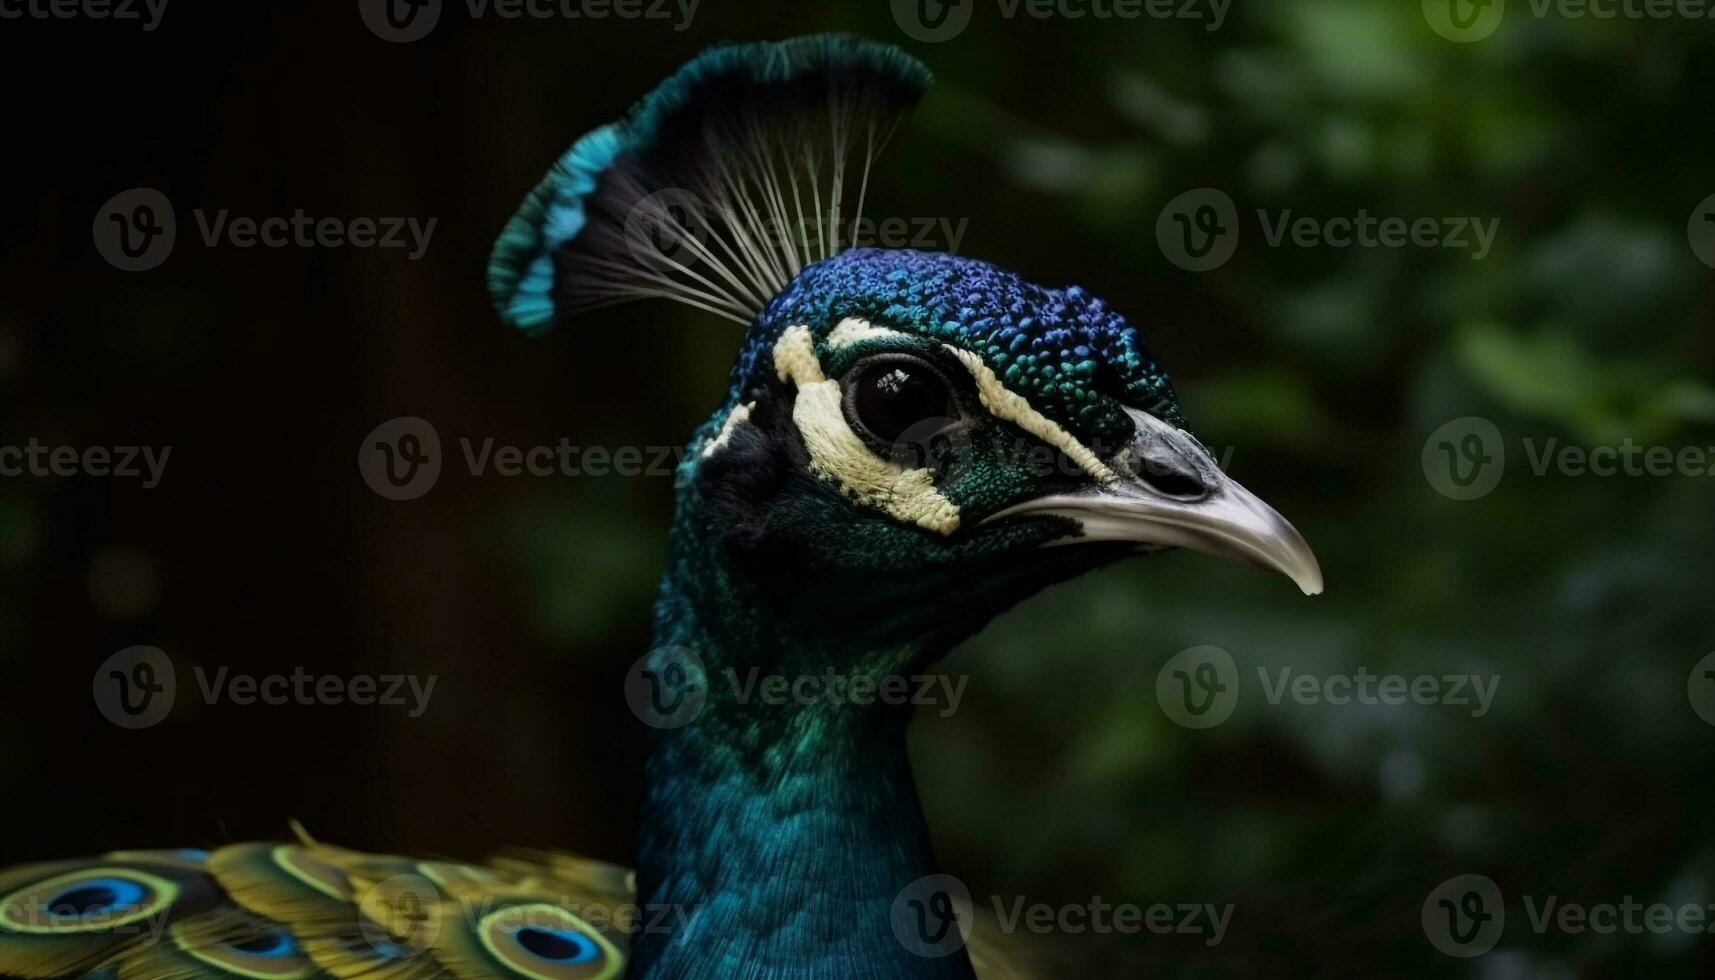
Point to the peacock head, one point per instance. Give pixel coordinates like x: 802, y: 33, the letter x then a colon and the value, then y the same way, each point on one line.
x: 912, y: 441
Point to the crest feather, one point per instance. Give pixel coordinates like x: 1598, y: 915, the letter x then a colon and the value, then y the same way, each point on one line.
x: 716, y: 189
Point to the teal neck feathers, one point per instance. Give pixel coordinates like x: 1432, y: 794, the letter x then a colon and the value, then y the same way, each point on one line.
x: 776, y: 837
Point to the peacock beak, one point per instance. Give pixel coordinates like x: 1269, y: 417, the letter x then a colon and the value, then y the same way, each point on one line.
x: 1170, y: 493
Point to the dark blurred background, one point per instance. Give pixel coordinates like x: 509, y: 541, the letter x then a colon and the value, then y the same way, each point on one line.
x: 1060, y: 140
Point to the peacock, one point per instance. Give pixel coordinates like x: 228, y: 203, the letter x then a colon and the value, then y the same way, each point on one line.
x: 912, y: 443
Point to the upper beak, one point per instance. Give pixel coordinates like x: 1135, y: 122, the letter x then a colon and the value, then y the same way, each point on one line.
x: 1171, y: 493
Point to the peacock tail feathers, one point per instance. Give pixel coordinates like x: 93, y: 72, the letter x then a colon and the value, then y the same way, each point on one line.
x: 285, y: 911
x: 717, y: 188
x: 224, y: 941
x: 310, y: 911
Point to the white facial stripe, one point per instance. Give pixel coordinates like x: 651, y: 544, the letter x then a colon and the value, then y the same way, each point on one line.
x: 996, y: 397
x: 852, y: 330
x: 739, y: 415
x: 838, y: 455
x: 795, y: 357
x: 1003, y: 403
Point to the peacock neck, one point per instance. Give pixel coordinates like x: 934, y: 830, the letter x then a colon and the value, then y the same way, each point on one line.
x: 776, y: 837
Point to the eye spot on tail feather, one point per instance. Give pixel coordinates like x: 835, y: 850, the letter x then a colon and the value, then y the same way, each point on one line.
x: 86, y: 901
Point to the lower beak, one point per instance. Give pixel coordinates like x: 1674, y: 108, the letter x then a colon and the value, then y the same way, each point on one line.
x: 1198, y: 507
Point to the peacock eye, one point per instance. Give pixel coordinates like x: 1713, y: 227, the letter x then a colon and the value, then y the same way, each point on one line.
x: 898, y: 399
